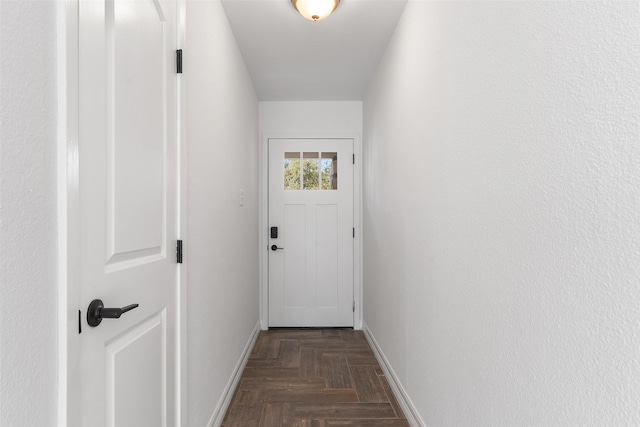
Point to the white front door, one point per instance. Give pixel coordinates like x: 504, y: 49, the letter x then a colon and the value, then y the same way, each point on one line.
x: 311, y: 211
x: 128, y: 213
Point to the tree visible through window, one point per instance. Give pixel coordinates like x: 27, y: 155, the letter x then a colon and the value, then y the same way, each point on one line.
x: 313, y: 171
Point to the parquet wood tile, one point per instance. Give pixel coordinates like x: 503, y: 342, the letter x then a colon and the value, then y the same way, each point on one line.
x: 344, y: 410
x: 267, y: 373
x: 336, y: 371
x: 366, y: 423
x: 309, y: 364
x: 392, y: 398
x: 289, y: 354
x: 276, y: 414
x: 362, y: 360
x: 284, y: 383
x: 338, y: 395
x: 247, y: 408
x: 313, y: 378
x: 367, y: 384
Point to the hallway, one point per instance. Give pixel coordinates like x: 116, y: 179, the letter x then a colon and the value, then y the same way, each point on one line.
x: 497, y: 143
x: 313, y: 378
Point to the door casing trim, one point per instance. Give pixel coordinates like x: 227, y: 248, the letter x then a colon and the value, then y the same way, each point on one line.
x: 67, y: 201
x: 263, y: 227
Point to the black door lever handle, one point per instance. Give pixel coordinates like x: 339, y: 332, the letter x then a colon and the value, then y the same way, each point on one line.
x: 275, y: 248
x: 96, y: 312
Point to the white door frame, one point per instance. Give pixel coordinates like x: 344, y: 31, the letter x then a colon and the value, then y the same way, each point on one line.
x: 264, y: 219
x: 68, y: 216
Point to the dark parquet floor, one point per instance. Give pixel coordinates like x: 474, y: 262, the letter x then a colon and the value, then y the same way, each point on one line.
x: 313, y: 378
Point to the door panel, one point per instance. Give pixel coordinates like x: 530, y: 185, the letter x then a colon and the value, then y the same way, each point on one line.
x: 311, y: 276
x: 128, y: 210
x: 136, y: 40
x: 294, y: 233
x: 327, y: 255
x: 137, y: 353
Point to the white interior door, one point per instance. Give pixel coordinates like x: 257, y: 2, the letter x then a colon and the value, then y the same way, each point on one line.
x: 128, y: 212
x: 311, y: 259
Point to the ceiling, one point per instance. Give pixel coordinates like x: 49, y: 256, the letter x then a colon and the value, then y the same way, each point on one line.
x: 292, y: 59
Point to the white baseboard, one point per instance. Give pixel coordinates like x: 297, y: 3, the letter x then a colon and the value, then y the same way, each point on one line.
x: 223, y: 404
x: 403, y: 399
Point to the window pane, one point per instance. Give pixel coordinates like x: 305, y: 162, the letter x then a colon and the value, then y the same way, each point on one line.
x: 291, y: 171
x: 310, y: 171
x: 329, y: 170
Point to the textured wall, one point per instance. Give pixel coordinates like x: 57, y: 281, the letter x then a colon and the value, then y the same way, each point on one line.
x: 28, y: 343
x: 502, y: 211
x: 221, y: 247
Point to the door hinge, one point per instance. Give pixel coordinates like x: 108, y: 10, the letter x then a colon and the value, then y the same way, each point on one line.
x: 353, y: 306
x: 179, y: 61
x: 179, y: 251
x: 354, y: 159
x: 354, y: 232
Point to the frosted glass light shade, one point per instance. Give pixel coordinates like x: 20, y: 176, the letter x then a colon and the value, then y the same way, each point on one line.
x: 315, y: 10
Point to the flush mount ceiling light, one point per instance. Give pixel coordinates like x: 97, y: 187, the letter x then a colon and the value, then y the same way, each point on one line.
x: 315, y: 10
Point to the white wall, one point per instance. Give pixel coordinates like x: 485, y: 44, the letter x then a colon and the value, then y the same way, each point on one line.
x: 310, y: 117
x: 221, y: 246
x: 502, y: 212
x: 28, y: 286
